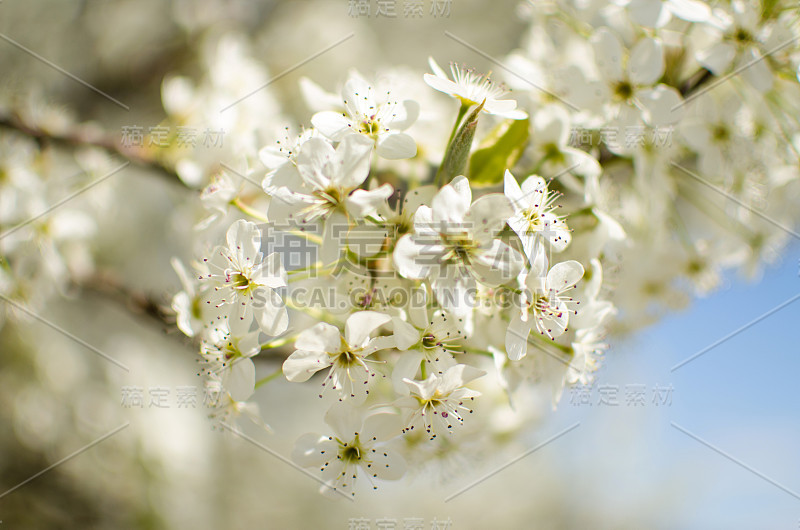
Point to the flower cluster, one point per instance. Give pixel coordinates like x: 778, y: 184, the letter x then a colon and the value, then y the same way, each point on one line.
x: 430, y: 248
x: 421, y: 298
x: 440, y: 278
x: 690, y: 148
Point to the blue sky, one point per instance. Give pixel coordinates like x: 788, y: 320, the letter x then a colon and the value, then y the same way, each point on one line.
x: 740, y: 397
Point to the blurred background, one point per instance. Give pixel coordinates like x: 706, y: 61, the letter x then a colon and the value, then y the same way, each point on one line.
x: 712, y: 443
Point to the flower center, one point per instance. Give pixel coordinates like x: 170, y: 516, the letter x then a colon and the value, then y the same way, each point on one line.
x: 370, y: 126
x: 459, y: 250
x: 720, y: 133
x: 534, y: 220
x: 429, y: 341
x: 742, y: 36
x: 350, y: 452
x: 230, y: 352
x: 239, y: 280
x: 623, y: 90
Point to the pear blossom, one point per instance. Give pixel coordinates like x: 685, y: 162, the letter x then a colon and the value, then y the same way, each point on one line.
x: 225, y: 410
x: 533, y: 214
x: 430, y: 339
x: 437, y: 403
x: 657, y: 13
x: 381, y: 123
x: 227, y: 351
x: 543, y: 303
x: 550, y: 150
x: 280, y: 158
x: 454, y: 245
x: 323, y: 346
x: 188, y: 303
x: 330, y: 180
x: 631, y: 92
x: 217, y: 197
x: 473, y: 89
x: 356, y: 447
x: 243, y: 280
x: 747, y: 44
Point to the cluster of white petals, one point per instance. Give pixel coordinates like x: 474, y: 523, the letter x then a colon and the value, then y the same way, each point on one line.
x: 421, y: 284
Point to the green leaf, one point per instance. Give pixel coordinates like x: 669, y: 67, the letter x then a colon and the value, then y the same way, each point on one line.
x: 499, y: 151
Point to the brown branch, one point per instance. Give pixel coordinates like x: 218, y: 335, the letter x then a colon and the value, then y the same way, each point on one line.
x: 136, y: 301
x: 691, y: 85
x: 84, y: 135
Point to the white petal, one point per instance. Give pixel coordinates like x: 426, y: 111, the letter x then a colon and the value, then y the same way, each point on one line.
x: 272, y: 317
x: 690, y: 10
x: 334, y: 234
x: 404, y: 115
x: 517, y: 338
x: 345, y: 420
x: 245, y: 238
x: 418, y: 307
x: 387, y: 465
x: 418, y: 197
x: 646, y: 63
x: 608, y: 54
x: 313, y: 450
x: 408, y: 260
x: 441, y: 84
x: 240, y: 379
x: 556, y: 232
x: 271, y: 272
x: 461, y: 185
x: 718, y: 58
x: 488, y: 215
x: 449, y: 207
x: 662, y: 105
x: 498, y: 265
x: 458, y: 376
x: 362, y: 203
x: 382, y: 342
x: 302, y: 364
x: 454, y: 290
x: 756, y: 70
x: 359, y: 326
x: 358, y: 97
x: 551, y: 125
x: 512, y: 190
x: 563, y: 275
x: 648, y: 13
x: 352, y: 161
x: 315, y: 155
x: 317, y: 98
x: 381, y: 426
x: 406, y: 367
x: 396, y: 146
x: 334, y: 125
x: 436, y: 68
x: 423, y: 389
x: 321, y: 337
x: 405, y: 334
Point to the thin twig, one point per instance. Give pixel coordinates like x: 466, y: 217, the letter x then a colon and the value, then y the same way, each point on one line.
x: 86, y: 136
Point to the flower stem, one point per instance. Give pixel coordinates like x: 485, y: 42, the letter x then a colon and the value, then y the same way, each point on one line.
x: 248, y: 210
x: 462, y: 111
x: 274, y: 375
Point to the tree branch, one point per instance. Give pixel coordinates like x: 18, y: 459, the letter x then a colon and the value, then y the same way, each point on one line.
x: 84, y: 135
